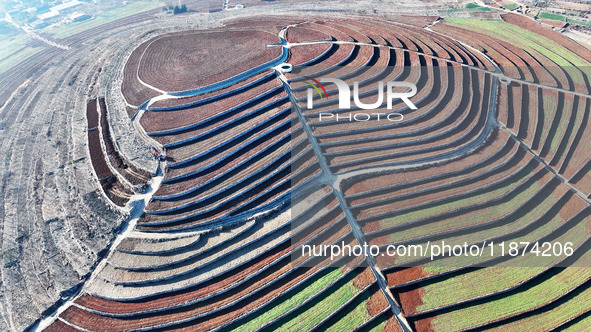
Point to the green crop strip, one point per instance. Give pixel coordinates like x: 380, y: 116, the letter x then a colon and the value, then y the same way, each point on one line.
x: 528, y: 41
x: 562, y: 125
x: 507, y: 274
x: 495, y: 212
x: 547, y: 320
x: 508, y: 184
x: 291, y: 300
x: 579, y: 22
x: 526, y: 298
x: 305, y: 318
x: 511, y: 6
x: 477, y: 8
x: 353, y: 318
x: 551, y: 16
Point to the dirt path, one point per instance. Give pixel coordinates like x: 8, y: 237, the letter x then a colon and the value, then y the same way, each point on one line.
x: 331, y: 180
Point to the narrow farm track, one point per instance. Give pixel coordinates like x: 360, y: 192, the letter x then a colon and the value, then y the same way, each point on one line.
x: 329, y: 178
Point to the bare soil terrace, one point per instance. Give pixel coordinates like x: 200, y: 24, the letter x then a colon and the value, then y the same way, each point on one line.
x: 183, y: 61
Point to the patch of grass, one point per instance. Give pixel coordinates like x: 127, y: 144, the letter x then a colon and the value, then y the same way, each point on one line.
x: 477, y: 8
x: 578, y: 22
x: 104, y: 18
x: 579, y: 113
x: 511, y: 6
x: 451, y: 10
x: 18, y: 57
x: 450, y: 263
x: 476, y: 236
x: 572, y: 12
x: 477, y: 283
x: 457, y: 261
x: 292, y: 300
x: 551, y: 16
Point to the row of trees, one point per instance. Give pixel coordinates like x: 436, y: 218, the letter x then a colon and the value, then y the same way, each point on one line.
x: 175, y: 9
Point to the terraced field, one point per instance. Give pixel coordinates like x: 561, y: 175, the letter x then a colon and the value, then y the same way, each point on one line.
x: 495, y: 151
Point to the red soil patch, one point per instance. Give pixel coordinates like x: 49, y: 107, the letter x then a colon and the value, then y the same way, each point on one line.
x: 188, y: 60
x: 496, y: 177
x: 59, y: 326
x: 424, y: 325
x: 260, y: 196
x: 257, y: 298
x: 91, y: 114
x: 299, y: 55
x: 344, y: 27
x: 377, y: 303
x: 324, y: 28
x: 168, y: 120
x: 581, y: 153
x: 503, y: 105
x: 392, y: 325
x: 410, y: 299
x: 381, y: 181
x: 529, y: 133
x: 187, y: 100
x: 401, y: 276
x: 300, y: 34
x: 193, y: 181
x: 584, y: 184
x: 107, y: 136
x: 364, y: 279
x: 168, y: 189
x: 572, y: 206
x: 115, y: 190
x: 97, y: 156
